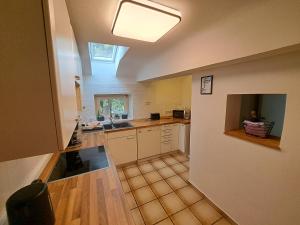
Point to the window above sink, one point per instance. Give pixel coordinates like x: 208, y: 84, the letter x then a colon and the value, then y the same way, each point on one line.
x: 113, y: 107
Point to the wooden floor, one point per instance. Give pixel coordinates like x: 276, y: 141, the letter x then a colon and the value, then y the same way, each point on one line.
x: 94, y: 198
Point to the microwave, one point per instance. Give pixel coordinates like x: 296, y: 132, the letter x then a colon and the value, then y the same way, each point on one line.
x: 178, y: 114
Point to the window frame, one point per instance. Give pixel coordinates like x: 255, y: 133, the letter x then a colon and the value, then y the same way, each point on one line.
x: 102, y: 59
x: 98, y: 98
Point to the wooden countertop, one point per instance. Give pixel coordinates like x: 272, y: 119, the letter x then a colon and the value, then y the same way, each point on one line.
x: 142, y: 123
x: 91, y: 198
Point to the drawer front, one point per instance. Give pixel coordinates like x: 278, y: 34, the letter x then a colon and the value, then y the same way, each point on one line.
x: 166, y: 132
x: 166, y: 138
x: 166, y: 127
x: 148, y: 129
x: 119, y: 134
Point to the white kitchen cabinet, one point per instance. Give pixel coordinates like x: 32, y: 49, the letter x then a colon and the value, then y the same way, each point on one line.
x: 37, y: 84
x: 65, y: 65
x: 169, y: 138
x: 184, y: 138
x: 122, y: 146
x: 175, y: 136
x: 148, y: 142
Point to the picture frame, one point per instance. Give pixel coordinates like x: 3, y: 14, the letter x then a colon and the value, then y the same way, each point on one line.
x: 206, y: 85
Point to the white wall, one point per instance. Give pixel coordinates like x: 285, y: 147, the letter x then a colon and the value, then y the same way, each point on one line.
x: 259, y: 26
x: 16, y: 174
x: 255, y: 185
x: 155, y: 96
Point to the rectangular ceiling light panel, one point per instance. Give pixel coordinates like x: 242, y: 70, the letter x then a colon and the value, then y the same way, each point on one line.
x: 144, y: 20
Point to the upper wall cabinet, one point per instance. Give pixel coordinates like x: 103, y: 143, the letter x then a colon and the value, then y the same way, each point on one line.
x: 37, y: 82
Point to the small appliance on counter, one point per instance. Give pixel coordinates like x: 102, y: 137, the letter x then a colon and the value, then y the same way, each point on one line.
x: 187, y: 114
x: 31, y: 205
x: 155, y: 116
x: 178, y: 114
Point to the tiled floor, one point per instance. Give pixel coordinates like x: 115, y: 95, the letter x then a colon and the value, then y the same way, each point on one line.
x: 158, y: 192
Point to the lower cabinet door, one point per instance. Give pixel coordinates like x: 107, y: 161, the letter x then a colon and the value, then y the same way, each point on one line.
x: 123, y: 149
x: 148, y: 142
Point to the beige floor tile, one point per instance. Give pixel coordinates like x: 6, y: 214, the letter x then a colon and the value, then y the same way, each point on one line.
x: 185, y: 217
x: 179, y: 168
x: 125, y: 186
x: 153, y: 212
x: 172, y: 203
x: 158, y: 164
x: 121, y: 175
x: 130, y: 200
x: 205, y: 212
x: 144, y: 195
x: 181, y: 157
x: 176, y: 182
x: 185, y: 175
x: 161, y: 188
x: 166, y: 172
x: 186, y: 163
x: 146, y: 168
x: 165, y: 222
x: 131, y: 171
x: 137, y: 217
x: 152, y: 177
x: 170, y: 160
x: 189, y: 195
x: 137, y: 182
x: 223, y: 221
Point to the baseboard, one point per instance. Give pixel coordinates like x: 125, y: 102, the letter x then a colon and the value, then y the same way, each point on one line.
x: 224, y: 214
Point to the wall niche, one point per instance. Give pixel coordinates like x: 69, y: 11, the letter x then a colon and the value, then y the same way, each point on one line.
x: 263, y: 111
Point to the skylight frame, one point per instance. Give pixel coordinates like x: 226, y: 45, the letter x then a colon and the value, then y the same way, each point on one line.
x: 176, y: 14
x: 102, y: 59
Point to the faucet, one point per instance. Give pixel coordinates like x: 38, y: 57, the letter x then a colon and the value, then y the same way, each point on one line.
x: 110, y: 117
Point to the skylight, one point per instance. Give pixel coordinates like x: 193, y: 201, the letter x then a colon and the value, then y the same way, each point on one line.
x: 102, y: 52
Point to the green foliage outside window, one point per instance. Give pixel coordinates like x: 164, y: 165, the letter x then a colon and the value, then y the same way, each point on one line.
x: 112, y: 106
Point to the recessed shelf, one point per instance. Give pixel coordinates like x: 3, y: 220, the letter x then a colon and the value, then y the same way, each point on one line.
x: 260, y: 109
x: 270, y: 142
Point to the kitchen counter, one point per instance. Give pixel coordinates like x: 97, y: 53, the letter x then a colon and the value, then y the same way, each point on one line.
x: 91, y: 198
x: 142, y: 123
x: 95, y: 197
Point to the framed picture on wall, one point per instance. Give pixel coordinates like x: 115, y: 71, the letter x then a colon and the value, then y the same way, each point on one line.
x: 206, y: 85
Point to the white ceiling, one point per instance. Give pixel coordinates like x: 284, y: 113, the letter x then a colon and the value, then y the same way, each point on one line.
x: 92, y: 21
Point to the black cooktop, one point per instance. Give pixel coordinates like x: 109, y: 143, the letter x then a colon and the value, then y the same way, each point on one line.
x: 78, y: 162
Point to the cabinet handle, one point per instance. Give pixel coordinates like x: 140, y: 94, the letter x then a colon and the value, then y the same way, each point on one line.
x: 149, y: 130
x: 128, y: 138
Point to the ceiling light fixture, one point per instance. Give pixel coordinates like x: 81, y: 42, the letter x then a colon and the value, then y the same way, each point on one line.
x: 144, y: 20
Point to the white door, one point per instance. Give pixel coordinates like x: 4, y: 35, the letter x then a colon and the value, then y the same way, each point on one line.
x: 148, y: 142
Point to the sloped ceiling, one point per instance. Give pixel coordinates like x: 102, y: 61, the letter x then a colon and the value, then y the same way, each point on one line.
x: 92, y: 21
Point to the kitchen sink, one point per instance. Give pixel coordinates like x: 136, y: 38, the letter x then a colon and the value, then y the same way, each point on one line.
x: 116, y: 125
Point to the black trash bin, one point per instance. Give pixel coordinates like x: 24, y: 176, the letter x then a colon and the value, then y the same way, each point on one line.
x: 31, y: 205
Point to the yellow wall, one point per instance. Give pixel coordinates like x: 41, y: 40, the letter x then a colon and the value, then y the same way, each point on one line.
x: 168, y: 94
x: 154, y: 96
